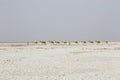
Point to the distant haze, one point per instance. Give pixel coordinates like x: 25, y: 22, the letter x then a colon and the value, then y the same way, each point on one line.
x: 29, y: 20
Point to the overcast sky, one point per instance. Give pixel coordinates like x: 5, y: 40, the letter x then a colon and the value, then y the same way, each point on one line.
x: 28, y: 20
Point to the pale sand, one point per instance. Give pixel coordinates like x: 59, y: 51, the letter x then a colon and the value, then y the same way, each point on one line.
x: 92, y: 62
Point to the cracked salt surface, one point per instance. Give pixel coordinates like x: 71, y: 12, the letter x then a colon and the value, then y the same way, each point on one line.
x: 92, y: 62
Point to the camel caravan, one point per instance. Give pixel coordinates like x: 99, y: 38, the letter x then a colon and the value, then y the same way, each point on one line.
x: 55, y: 43
x: 68, y: 42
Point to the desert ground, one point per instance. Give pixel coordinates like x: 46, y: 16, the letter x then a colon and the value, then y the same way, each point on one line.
x: 60, y: 62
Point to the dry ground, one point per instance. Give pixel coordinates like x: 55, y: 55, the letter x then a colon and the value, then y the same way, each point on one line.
x: 91, y: 62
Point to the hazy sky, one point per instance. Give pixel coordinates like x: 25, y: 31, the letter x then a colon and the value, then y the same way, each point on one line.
x: 28, y: 20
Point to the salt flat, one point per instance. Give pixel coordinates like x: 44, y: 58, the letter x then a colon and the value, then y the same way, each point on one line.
x: 83, y: 62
